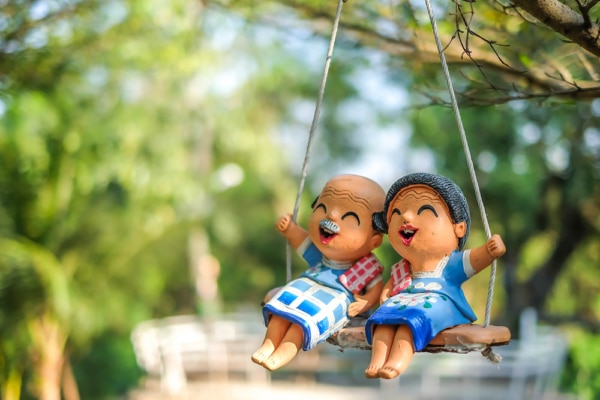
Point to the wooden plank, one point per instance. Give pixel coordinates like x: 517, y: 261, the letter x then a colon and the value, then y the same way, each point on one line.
x: 459, y: 339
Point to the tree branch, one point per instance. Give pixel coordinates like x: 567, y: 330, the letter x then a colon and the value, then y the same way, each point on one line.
x: 502, y: 70
x: 561, y: 18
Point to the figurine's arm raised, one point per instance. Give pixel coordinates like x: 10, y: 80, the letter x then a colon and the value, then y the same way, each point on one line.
x: 483, y: 256
x: 294, y: 234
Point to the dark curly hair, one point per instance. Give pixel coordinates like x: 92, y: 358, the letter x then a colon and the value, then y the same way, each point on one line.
x: 447, y: 189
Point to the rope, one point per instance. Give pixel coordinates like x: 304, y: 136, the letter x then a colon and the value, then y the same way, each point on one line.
x: 311, y: 135
x: 465, y: 145
x: 488, y: 352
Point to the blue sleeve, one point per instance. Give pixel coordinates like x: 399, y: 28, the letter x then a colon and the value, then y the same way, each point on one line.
x: 455, y: 269
x: 310, y: 253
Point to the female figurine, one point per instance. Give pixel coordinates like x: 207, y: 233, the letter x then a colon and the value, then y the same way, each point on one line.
x: 427, y: 221
x: 344, y: 278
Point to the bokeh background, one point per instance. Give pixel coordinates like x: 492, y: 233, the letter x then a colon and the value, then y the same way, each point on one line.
x: 148, y: 147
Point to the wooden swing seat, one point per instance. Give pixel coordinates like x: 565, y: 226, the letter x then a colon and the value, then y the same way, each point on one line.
x: 459, y: 339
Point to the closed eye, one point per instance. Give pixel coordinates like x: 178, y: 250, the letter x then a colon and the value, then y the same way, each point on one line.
x: 320, y: 205
x: 396, y: 211
x: 351, y: 214
x: 427, y: 207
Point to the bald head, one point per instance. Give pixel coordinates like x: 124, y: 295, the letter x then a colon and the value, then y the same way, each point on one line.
x: 341, y: 224
x: 356, y: 188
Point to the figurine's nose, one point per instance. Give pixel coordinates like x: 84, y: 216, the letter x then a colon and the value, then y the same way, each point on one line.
x: 407, y: 216
x: 333, y: 215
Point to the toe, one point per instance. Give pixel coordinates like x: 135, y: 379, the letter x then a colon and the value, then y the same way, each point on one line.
x: 388, y: 373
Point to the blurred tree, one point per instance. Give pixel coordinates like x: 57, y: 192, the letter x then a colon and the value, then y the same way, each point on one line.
x: 538, y: 156
x: 496, y: 43
x: 114, y: 143
x: 535, y: 145
x: 125, y: 125
x: 22, y: 289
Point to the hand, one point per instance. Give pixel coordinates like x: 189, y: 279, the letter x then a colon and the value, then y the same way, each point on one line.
x: 357, y: 307
x: 284, y: 223
x: 495, y: 246
x: 385, y: 294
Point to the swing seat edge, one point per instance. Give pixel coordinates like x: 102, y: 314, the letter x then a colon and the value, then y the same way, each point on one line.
x: 458, y: 339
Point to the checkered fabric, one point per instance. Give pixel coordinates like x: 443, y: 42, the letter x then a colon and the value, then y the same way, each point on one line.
x: 317, y: 309
x: 401, y: 277
x: 358, y: 276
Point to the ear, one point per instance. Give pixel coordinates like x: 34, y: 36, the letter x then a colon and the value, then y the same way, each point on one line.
x: 376, y: 240
x: 460, y: 229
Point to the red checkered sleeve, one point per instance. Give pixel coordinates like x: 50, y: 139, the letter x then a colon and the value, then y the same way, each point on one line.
x: 400, y: 276
x: 361, y: 273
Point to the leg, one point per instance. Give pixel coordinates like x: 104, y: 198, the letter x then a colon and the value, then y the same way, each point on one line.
x: 276, y: 330
x: 401, y: 354
x: 383, y: 336
x: 287, y: 349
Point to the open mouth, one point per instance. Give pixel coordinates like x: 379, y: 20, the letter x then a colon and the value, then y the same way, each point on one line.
x: 327, y: 231
x: 326, y: 235
x: 407, y: 233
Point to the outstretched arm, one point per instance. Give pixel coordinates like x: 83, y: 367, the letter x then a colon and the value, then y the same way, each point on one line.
x: 483, y: 256
x: 294, y: 234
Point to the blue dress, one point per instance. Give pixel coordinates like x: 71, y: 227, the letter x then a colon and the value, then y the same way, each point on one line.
x: 432, y: 302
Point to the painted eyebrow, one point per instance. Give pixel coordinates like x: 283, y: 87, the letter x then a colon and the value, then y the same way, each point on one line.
x: 351, y: 214
x: 396, y: 211
x: 322, y: 205
x: 427, y: 207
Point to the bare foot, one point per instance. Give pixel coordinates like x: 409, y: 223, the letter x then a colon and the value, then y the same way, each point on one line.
x: 388, y: 372
x: 372, y: 371
x: 401, y: 354
x: 262, y: 354
x: 259, y: 357
x: 280, y: 357
x: 272, y: 363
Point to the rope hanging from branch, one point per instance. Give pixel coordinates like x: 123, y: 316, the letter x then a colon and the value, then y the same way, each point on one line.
x: 488, y: 353
x: 311, y: 134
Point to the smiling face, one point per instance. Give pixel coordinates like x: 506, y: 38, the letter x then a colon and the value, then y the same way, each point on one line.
x: 420, y: 228
x: 341, y: 223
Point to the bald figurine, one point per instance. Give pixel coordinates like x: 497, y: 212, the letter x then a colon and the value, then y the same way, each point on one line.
x: 344, y: 276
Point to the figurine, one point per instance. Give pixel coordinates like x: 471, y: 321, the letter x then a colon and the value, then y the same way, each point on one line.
x: 344, y: 276
x: 427, y: 221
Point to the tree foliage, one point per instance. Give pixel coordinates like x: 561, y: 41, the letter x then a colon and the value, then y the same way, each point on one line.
x: 525, y: 74
x: 535, y: 143
x: 505, y: 50
x: 109, y: 157
x: 125, y: 126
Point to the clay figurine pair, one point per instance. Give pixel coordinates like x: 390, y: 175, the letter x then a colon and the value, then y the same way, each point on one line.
x: 426, y: 218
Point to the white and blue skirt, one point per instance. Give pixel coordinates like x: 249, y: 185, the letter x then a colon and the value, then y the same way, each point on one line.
x: 319, y: 310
